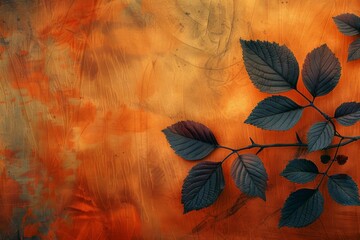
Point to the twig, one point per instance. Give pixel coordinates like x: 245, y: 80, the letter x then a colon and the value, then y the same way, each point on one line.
x: 276, y: 145
x: 333, y: 160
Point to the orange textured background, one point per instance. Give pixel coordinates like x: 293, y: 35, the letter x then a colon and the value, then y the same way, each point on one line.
x: 86, y: 86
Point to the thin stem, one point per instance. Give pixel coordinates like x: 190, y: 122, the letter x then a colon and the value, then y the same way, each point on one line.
x: 321, y: 112
x: 349, y: 137
x: 225, y: 147
x: 277, y: 145
x: 303, y: 96
x: 311, y: 104
x: 232, y: 152
x: 332, y: 162
x: 263, y: 146
x: 327, y: 117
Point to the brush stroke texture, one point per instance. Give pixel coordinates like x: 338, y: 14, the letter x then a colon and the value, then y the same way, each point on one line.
x: 86, y: 86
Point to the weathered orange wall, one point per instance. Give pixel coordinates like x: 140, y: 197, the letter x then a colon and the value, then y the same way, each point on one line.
x: 86, y: 86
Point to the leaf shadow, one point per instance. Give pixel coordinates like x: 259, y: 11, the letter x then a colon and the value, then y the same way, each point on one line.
x: 209, y: 220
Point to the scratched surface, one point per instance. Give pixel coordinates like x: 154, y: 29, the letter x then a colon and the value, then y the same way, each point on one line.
x: 86, y: 87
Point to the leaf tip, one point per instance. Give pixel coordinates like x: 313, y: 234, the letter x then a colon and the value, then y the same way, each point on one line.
x: 248, y: 120
x: 281, y: 224
x: 263, y: 197
x: 242, y: 41
x: 324, y: 46
x: 186, y: 210
x: 350, y: 59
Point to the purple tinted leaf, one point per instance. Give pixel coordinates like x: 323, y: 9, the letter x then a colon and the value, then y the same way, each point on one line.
x: 348, y: 24
x: 191, y: 140
x: 202, y: 186
x: 321, y: 71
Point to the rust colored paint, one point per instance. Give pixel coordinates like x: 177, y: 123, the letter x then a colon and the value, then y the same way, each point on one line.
x: 86, y: 86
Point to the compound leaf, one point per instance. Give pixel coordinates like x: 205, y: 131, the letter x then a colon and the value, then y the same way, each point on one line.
x: 348, y: 113
x: 320, y: 136
x: 302, y: 208
x: 275, y: 113
x: 250, y: 175
x: 300, y: 171
x: 343, y: 190
x: 272, y: 68
x: 321, y: 71
x: 348, y: 24
x: 190, y: 140
x: 202, y: 186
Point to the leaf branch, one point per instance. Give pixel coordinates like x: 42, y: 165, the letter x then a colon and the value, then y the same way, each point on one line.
x: 279, y: 145
x: 326, y: 116
x: 320, y: 74
x: 332, y: 162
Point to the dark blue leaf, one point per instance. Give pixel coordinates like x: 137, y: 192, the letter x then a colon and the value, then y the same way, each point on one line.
x: 320, y: 136
x: 348, y: 113
x: 348, y: 24
x: 343, y: 190
x: 300, y: 171
x: 250, y: 175
x: 354, y: 50
x: 275, y: 113
x: 321, y: 71
x: 272, y: 68
x: 302, y: 208
x: 202, y: 186
x: 190, y: 140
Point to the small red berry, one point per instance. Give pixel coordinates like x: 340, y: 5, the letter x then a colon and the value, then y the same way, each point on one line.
x: 341, y: 159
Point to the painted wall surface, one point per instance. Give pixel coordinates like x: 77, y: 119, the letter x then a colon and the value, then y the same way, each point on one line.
x: 86, y: 86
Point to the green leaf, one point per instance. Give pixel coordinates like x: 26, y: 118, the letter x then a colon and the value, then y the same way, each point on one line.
x: 321, y: 71
x: 348, y: 24
x: 343, y: 190
x: 354, y: 50
x: 190, y: 140
x: 250, y: 175
x: 302, y: 208
x: 271, y: 68
x: 348, y: 113
x: 320, y: 136
x: 300, y: 171
x: 202, y: 186
x: 275, y: 113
